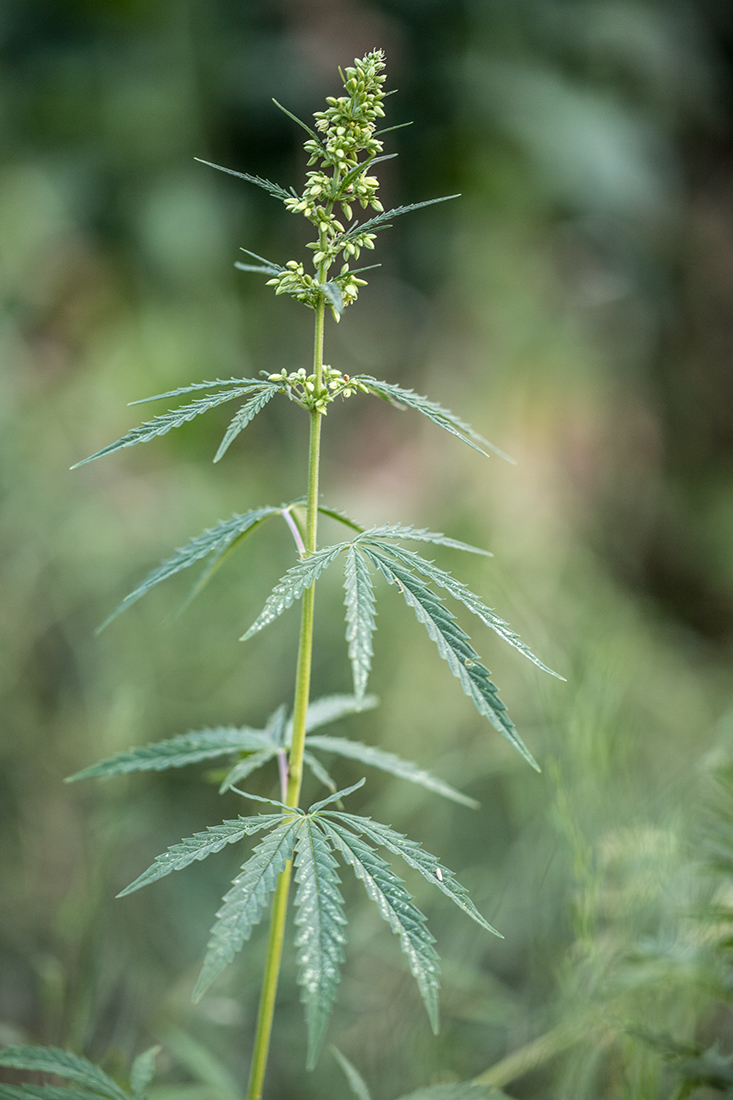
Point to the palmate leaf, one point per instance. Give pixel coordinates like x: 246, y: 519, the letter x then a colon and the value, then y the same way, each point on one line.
x: 381, y: 221
x: 453, y: 646
x: 62, y: 1063
x: 444, y: 418
x: 360, y: 624
x: 177, y: 752
x: 175, y: 418
x: 143, y: 1071
x: 396, y: 906
x: 460, y: 592
x: 242, y: 418
x: 199, y: 846
x: 215, y: 540
x: 320, y: 938
x: 245, y: 903
x: 274, y: 189
x: 389, y: 762
x: 420, y: 534
x: 415, y: 856
x: 293, y: 584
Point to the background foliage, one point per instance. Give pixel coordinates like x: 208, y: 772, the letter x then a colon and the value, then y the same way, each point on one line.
x: 577, y: 306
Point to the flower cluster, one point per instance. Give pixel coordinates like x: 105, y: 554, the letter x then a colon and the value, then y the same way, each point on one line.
x: 301, y: 387
x: 348, y: 128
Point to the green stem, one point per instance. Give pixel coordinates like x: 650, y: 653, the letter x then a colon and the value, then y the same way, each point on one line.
x: 295, y: 759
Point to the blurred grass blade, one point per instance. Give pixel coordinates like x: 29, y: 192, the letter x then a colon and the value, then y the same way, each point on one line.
x: 357, y: 1083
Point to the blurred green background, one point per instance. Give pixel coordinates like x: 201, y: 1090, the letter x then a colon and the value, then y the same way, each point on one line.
x: 576, y: 304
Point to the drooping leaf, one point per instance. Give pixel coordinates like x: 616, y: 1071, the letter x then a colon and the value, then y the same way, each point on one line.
x: 360, y: 624
x: 159, y: 425
x: 329, y: 708
x: 332, y: 292
x: 357, y: 1084
x: 199, y: 846
x: 397, y: 531
x: 274, y: 189
x: 44, y: 1092
x: 242, y: 418
x: 396, y: 906
x: 461, y: 592
x: 389, y: 762
x: 320, y: 938
x: 245, y: 767
x: 292, y: 585
x: 142, y: 1072
x: 415, y: 856
x: 463, y: 1090
x: 319, y: 771
x: 444, y: 418
x: 62, y: 1063
x: 245, y: 903
x: 177, y: 752
x: 215, y: 540
x: 453, y: 646
x: 381, y: 221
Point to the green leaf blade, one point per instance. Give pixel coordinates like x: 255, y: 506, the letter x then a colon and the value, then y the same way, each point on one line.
x: 320, y: 938
x: 391, y: 763
x: 360, y: 618
x: 62, y: 1063
x: 381, y: 221
x: 415, y: 856
x: 398, y: 909
x: 215, y: 540
x: 44, y: 1092
x: 292, y: 585
x: 245, y: 903
x: 462, y: 593
x: 397, y: 531
x: 177, y: 752
x: 440, y: 416
x: 244, y: 768
x: 143, y: 1071
x: 273, y: 189
x: 453, y: 646
x: 175, y: 418
x: 242, y: 418
x: 357, y: 1084
x: 199, y: 846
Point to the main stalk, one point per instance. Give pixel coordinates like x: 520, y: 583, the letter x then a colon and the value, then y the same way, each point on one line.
x: 295, y: 758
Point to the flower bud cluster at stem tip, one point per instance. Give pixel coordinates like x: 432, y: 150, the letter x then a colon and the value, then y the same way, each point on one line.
x: 344, y: 131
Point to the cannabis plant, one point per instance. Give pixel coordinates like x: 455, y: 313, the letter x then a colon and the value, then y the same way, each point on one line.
x: 343, y: 148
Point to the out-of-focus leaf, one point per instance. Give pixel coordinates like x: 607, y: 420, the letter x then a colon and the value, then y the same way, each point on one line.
x: 143, y: 1071
x: 62, y: 1063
